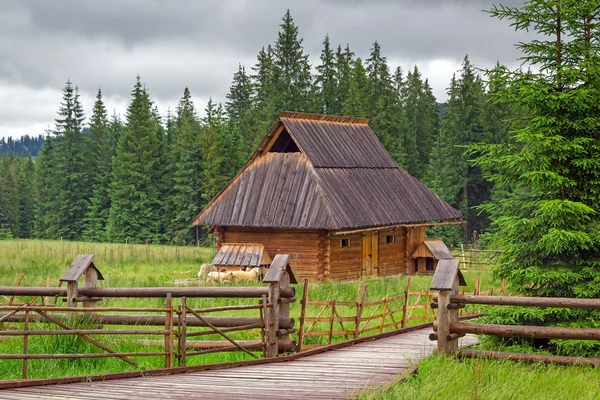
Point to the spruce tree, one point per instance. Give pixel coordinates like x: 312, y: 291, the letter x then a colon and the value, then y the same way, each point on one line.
x: 355, y: 104
x: 345, y: 73
x: 239, y: 108
x: 219, y: 148
x: 292, y: 76
x: 188, y: 157
x: 327, y: 81
x: 70, y: 181
x: 548, y: 226
x: 101, y: 150
x: 136, y: 211
x: 45, y: 201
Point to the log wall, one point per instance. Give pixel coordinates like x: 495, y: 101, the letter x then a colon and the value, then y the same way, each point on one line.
x: 414, y: 237
x: 345, y: 262
x: 392, y: 255
x: 307, y: 248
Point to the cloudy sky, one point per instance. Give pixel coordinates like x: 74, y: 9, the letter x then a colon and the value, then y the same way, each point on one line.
x: 199, y: 44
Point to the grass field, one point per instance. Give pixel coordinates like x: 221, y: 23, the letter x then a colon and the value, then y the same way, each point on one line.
x: 145, y: 266
x: 447, y: 378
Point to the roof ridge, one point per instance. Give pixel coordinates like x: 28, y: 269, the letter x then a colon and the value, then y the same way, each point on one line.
x: 324, y: 118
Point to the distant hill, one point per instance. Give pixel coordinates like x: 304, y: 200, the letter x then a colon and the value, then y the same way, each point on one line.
x: 24, y: 146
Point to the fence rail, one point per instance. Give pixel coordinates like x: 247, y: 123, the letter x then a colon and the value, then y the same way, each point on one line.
x: 448, y: 329
x: 351, y: 319
x: 475, y: 259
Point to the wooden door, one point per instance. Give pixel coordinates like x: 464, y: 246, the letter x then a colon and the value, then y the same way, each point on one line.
x: 370, y: 253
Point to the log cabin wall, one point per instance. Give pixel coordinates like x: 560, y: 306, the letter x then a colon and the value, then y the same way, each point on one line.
x: 306, y: 247
x: 345, y: 262
x: 414, y: 237
x: 392, y: 252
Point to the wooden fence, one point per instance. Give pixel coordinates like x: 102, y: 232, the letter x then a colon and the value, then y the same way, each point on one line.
x: 449, y: 329
x: 475, y: 259
x: 351, y: 319
x: 176, y: 323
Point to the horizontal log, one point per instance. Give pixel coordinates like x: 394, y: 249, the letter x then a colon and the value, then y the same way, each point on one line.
x: 147, y: 292
x: 522, y: 357
x: 31, y: 291
x: 81, y: 310
x: 532, y: 332
x: 83, y: 332
x: 559, y: 302
x: 454, y: 336
x: 433, y: 336
x: 225, y: 330
x: 156, y: 320
x: 283, y: 332
x: 92, y: 355
x: 455, y: 306
x: 285, y: 346
x: 326, y: 333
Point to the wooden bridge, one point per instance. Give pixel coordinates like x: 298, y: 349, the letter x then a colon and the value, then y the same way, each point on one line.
x: 338, y: 371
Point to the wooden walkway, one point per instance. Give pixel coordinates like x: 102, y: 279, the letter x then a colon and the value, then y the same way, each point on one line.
x: 335, y: 374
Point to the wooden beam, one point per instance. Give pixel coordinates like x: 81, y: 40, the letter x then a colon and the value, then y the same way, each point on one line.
x: 544, y: 358
x: 385, y: 227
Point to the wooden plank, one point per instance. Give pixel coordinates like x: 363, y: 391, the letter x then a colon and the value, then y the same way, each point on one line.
x: 78, y: 267
x: 444, y: 275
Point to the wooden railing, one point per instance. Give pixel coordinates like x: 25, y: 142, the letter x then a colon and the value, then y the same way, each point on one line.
x: 448, y: 329
x: 351, y: 319
x: 475, y: 259
x: 178, y: 323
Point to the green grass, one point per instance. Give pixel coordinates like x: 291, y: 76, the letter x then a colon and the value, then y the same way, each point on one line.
x: 152, y: 265
x: 447, y: 378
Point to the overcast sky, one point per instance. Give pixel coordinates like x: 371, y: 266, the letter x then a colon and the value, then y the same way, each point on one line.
x: 199, y: 44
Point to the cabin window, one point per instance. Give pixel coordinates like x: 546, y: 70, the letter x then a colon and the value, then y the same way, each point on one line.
x: 429, y: 264
x: 345, y: 243
x: 390, y: 238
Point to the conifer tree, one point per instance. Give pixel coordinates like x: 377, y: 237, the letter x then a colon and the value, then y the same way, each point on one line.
x: 70, y: 180
x: 292, y: 76
x: 327, y: 80
x: 26, y: 194
x: 356, y: 102
x: 345, y: 74
x: 136, y: 211
x: 102, y: 149
x: 548, y: 226
x: 188, y: 157
x: 239, y: 108
x: 219, y: 147
x: 45, y: 195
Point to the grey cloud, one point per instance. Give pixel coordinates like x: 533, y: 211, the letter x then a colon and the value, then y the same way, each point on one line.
x: 178, y: 43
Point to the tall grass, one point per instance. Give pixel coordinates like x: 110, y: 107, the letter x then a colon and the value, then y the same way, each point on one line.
x: 441, y: 377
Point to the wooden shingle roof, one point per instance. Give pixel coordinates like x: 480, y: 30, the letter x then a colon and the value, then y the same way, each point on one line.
x: 327, y: 173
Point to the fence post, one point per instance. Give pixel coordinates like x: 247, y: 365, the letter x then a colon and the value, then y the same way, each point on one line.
x: 406, y: 300
x: 90, y: 280
x: 169, y: 335
x: 304, y: 304
x: 273, y: 320
x: 359, y: 307
x: 25, y: 343
x: 384, y: 312
x: 331, y: 321
x: 446, y: 280
x: 284, y: 308
x: 183, y: 334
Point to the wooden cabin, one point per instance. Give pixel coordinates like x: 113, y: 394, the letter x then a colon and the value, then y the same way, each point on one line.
x: 324, y: 190
x: 429, y: 253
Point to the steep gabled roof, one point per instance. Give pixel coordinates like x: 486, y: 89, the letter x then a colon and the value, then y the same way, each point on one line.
x: 322, y: 172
